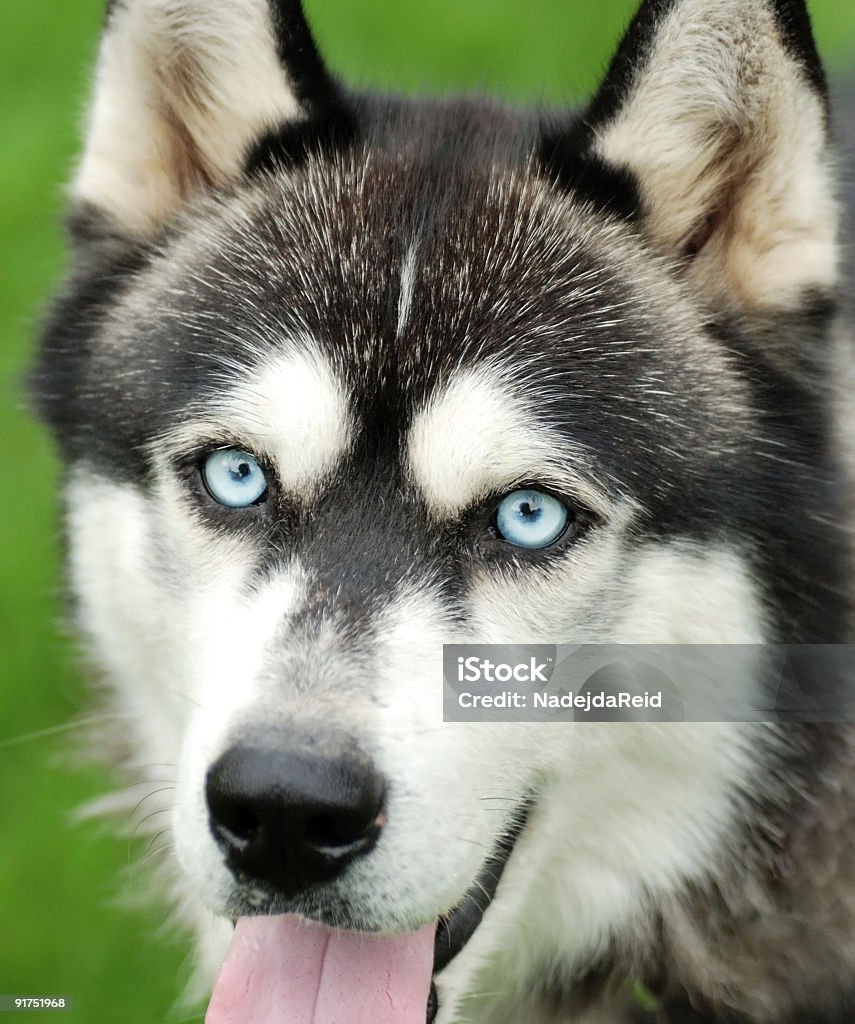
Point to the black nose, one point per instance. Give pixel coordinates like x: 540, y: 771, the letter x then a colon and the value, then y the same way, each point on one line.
x: 290, y: 816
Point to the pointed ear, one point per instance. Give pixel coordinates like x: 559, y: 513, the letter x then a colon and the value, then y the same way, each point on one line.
x: 183, y: 90
x: 717, y: 111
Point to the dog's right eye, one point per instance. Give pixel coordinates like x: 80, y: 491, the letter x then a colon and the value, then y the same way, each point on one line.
x: 531, y: 519
x: 234, y: 478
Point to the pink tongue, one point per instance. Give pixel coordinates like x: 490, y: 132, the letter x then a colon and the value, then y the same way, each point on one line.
x: 284, y: 970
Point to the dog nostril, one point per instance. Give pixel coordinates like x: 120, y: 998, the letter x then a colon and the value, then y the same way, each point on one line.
x: 238, y: 824
x: 327, y: 832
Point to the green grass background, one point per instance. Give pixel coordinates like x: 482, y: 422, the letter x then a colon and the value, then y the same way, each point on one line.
x: 60, y: 929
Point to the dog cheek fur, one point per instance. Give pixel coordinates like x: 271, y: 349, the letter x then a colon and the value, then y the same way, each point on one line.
x: 625, y: 817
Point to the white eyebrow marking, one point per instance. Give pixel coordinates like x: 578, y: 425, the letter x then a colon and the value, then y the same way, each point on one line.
x: 408, y: 279
x: 480, y: 436
x: 292, y: 408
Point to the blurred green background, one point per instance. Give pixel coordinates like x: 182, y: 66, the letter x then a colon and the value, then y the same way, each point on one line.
x: 61, y: 929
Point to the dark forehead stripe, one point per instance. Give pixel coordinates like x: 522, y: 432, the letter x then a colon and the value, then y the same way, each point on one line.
x: 497, y: 276
x: 365, y: 537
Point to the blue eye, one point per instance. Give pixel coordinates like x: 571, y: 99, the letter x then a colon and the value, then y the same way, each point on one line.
x: 531, y: 519
x: 234, y: 478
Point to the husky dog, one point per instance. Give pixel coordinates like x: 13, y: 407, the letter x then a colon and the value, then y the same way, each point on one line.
x: 341, y: 377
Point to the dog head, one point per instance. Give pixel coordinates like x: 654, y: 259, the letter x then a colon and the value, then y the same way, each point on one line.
x: 339, y: 378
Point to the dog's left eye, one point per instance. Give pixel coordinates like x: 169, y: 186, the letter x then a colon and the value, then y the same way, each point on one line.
x: 234, y: 478
x: 531, y: 519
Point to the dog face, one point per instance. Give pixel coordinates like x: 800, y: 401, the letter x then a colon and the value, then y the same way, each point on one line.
x: 340, y: 379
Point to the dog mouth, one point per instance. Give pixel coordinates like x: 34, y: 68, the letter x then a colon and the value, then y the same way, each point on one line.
x: 321, y: 975
x: 457, y: 927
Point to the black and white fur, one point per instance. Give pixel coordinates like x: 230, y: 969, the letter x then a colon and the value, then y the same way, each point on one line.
x: 406, y: 309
